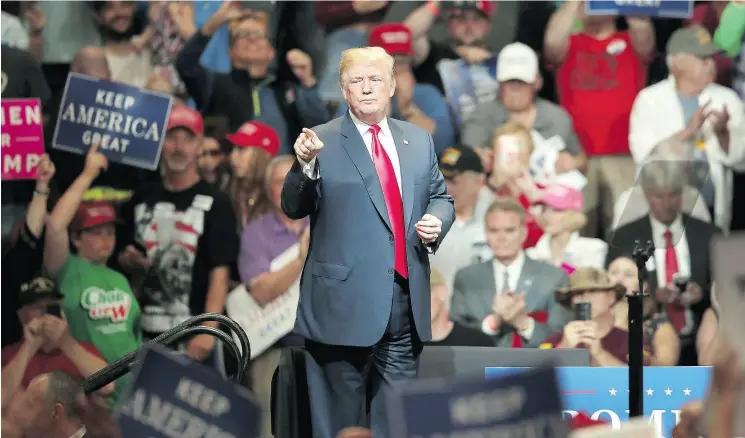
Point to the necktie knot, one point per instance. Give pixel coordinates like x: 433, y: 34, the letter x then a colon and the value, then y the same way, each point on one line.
x: 375, y: 129
x: 668, y: 236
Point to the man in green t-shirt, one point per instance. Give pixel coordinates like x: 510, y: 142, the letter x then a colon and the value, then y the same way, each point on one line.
x: 98, y: 301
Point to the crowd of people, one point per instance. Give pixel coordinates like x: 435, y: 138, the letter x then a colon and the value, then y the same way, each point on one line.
x: 563, y: 138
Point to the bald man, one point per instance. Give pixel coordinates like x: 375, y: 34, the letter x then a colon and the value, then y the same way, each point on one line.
x: 91, y: 61
x: 50, y: 407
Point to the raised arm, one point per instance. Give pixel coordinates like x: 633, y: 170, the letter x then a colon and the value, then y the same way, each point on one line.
x: 559, y: 30
x: 56, y: 243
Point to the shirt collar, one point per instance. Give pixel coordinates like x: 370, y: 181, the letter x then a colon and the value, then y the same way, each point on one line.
x: 80, y: 433
x: 658, y: 229
x: 515, y: 267
x: 364, y: 128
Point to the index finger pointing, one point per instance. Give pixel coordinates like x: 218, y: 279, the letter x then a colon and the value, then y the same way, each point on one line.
x: 94, y: 147
x: 310, y: 133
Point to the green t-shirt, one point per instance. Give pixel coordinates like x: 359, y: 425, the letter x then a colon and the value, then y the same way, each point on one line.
x: 101, y: 310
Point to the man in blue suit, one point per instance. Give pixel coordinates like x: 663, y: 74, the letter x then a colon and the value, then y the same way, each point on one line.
x: 378, y: 206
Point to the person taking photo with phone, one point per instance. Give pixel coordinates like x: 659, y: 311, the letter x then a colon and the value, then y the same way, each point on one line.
x: 47, y: 344
x: 591, y: 295
x: 98, y: 301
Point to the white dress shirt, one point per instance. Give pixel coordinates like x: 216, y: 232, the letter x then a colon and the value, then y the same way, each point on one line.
x: 513, y: 272
x: 580, y: 252
x: 80, y: 433
x: 386, y: 139
x: 680, y: 244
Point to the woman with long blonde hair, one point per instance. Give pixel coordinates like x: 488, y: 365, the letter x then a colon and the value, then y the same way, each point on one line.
x: 254, y: 146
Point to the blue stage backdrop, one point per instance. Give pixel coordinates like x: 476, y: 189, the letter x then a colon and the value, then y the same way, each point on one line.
x: 652, y: 8
x: 527, y: 404
x: 128, y: 122
x: 171, y: 396
x: 602, y: 393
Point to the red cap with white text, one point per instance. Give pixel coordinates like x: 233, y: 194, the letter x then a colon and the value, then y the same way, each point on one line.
x: 395, y: 38
x: 256, y: 135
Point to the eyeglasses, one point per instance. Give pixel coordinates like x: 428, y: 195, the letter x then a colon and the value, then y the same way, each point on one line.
x: 248, y: 34
x: 211, y: 153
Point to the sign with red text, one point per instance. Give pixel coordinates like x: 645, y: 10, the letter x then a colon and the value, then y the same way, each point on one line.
x: 22, y: 138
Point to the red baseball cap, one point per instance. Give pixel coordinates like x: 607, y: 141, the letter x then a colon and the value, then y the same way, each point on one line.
x: 256, y: 135
x: 93, y: 214
x: 486, y: 7
x: 395, y: 38
x: 184, y: 117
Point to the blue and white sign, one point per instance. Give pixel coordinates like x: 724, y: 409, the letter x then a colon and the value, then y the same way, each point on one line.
x: 651, y: 8
x: 129, y: 123
x: 468, y: 85
x: 602, y: 392
x: 172, y: 396
x: 527, y: 404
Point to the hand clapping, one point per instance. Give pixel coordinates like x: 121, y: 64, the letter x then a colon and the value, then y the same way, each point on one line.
x: 307, y: 145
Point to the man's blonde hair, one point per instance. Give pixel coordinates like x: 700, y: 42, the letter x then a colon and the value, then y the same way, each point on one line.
x: 507, y: 205
x: 369, y: 55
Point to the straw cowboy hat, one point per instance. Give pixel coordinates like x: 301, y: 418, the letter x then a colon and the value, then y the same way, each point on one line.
x: 587, y: 279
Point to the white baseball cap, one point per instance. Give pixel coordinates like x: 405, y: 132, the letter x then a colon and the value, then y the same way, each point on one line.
x: 517, y: 61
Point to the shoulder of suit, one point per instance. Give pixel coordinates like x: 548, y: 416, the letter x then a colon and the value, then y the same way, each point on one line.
x: 408, y: 128
x: 546, y: 268
x: 333, y: 126
x: 698, y: 223
x: 472, y: 269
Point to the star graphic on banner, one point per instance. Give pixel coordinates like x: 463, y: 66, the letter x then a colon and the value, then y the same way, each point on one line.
x: 650, y: 391
x: 612, y: 392
x: 687, y: 392
x: 668, y: 392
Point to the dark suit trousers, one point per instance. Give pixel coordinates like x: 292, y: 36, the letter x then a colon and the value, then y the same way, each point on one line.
x: 348, y: 384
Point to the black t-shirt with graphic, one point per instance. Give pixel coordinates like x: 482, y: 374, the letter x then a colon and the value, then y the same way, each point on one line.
x: 186, y: 235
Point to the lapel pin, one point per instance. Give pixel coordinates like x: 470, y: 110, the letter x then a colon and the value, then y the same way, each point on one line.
x: 406, y: 141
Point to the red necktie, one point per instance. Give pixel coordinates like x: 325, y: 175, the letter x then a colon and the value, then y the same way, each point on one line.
x: 393, y: 202
x: 675, y: 311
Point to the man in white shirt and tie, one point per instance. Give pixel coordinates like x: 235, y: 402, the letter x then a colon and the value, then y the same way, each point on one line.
x: 511, y: 293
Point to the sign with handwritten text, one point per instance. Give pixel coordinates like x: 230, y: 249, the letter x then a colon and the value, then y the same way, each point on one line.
x: 129, y: 123
x: 22, y: 138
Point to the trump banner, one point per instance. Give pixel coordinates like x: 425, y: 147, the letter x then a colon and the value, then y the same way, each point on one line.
x: 129, y: 123
x: 170, y: 395
x: 527, y: 404
x: 602, y: 392
x: 22, y: 138
x: 650, y: 8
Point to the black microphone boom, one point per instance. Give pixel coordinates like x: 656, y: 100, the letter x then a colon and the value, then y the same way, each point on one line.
x: 636, y: 330
x: 186, y: 329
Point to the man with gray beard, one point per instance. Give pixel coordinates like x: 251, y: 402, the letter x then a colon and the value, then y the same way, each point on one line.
x: 178, y: 240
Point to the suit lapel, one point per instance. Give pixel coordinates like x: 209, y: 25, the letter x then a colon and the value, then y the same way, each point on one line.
x: 525, y: 281
x: 490, y: 287
x: 696, y: 239
x: 406, y: 159
x: 354, y: 145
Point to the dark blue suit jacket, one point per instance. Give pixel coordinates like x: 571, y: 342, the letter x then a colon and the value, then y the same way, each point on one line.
x: 346, y: 289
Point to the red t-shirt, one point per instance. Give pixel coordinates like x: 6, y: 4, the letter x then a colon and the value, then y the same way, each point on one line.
x: 597, y: 85
x: 616, y: 342
x: 43, y: 363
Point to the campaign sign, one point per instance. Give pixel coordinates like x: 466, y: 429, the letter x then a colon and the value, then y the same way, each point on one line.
x: 171, y: 395
x: 527, y: 404
x: 602, y: 392
x: 22, y: 138
x: 129, y: 123
x: 651, y: 8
